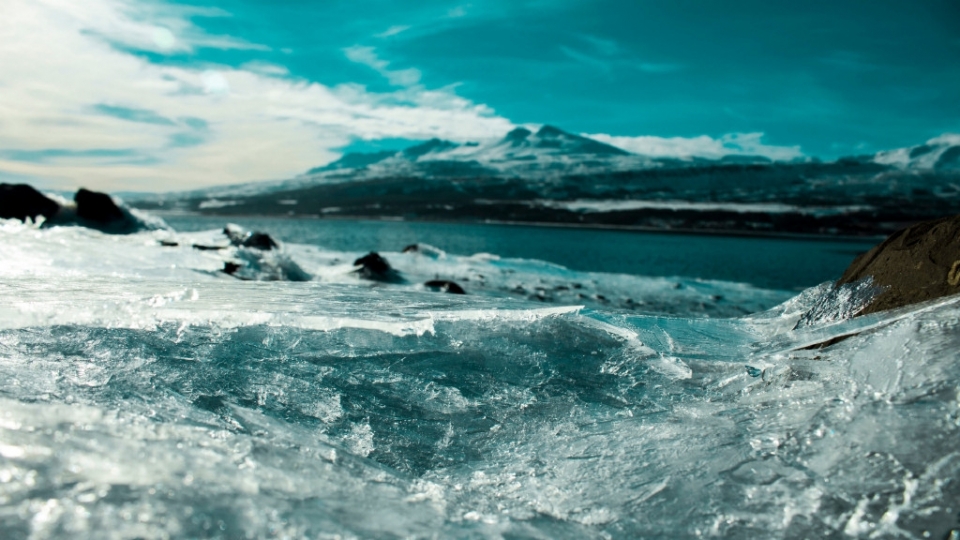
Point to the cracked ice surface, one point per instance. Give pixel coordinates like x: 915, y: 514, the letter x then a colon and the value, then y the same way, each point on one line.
x: 145, y: 394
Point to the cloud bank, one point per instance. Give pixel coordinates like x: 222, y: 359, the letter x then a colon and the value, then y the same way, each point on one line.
x: 87, y: 99
x: 732, y: 144
x: 80, y: 106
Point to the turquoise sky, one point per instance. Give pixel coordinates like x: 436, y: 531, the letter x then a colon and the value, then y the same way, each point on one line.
x: 832, y: 76
x: 820, y: 78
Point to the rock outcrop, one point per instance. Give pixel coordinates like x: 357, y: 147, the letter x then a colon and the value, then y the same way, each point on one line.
x: 443, y: 285
x: 20, y: 201
x: 99, y: 211
x: 374, y: 267
x: 89, y: 209
x: 260, y: 240
x: 249, y: 239
x: 919, y: 263
x: 97, y: 207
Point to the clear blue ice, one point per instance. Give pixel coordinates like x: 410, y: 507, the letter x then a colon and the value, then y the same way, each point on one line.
x: 146, y: 394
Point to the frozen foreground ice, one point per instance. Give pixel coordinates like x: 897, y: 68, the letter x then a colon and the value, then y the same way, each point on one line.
x: 146, y: 394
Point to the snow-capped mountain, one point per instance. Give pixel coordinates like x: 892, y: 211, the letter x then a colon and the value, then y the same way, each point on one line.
x: 547, y: 152
x: 939, y: 154
x: 550, y: 152
x: 551, y: 176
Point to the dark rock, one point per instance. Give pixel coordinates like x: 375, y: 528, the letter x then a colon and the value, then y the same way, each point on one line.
x: 256, y: 265
x: 443, y: 285
x: 202, y: 247
x: 828, y: 343
x: 213, y: 404
x: 169, y: 243
x: 373, y: 262
x: 376, y: 268
x: 230, y: 268
x: 518, y: 134
x: 243, y: 238
x: 433, y: 145
x: 259, y: 240
x: 97, y: 207
x: 20, y: 201
x: 919, y: 263
x: 949, y: 159
x: 235, y: 233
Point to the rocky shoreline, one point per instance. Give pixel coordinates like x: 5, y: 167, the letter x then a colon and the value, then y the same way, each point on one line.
x: 917, y: 263
x: 820, y: 200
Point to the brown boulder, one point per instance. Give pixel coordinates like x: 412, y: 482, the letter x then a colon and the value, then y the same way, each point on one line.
x: 919, y: 263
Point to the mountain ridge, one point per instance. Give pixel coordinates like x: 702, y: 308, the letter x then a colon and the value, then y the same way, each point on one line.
x: 549, y: 176
x: 550, y: 151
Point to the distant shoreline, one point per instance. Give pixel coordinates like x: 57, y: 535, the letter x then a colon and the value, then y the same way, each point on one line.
x: 839, y: 238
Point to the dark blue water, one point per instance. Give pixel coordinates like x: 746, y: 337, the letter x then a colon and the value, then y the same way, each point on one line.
x: 778, y: 263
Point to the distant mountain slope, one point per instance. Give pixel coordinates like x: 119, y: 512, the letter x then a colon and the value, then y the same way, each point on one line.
x: 548, y: 155
x: 521, y: 152
x: 550, y: 176
x: 939, y: 154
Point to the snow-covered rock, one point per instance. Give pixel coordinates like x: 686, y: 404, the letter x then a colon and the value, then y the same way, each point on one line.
x: 938, y: 154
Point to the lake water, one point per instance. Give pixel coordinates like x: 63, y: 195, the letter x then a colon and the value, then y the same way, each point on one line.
x: 790, y: 264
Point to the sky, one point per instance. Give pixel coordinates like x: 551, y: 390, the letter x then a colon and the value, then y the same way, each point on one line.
x: 148, y: 95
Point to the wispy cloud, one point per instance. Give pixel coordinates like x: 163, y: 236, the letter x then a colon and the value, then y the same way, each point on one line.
x: 607, y: 57
x: 78, y: 108
x: 266, y: 68
x: 849, y: 61
x: 602, y: 46
x: 603, y: 66
x: 731, y: 144
x: 48, y: 155
x: 150, y: 25
x: 368, y: 57
x: 650, y: 67
x: 133, y: 115
x: 392, y: 31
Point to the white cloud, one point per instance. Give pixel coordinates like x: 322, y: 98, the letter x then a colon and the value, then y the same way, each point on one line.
x: 145, y: 25
x: 731, y: 144
x: 265, y: 68
x: 368, y: 57
x: 164, y: 38
x: 215, y: 82
x: 392, y: 31
x: 73, y: 104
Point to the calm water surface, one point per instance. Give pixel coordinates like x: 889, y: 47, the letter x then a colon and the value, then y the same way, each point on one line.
x: 766, y: 262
